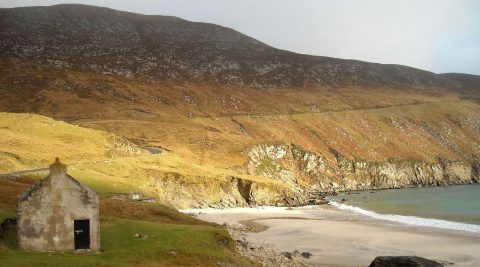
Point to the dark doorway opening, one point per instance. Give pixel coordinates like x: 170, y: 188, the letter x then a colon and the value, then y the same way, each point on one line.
x: 82, y: 234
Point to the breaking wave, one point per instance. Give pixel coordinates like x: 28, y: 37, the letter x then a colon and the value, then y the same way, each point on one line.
x: 410, y: 220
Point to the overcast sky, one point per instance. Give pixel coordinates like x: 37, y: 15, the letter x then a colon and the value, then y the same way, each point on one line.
x: 436, y: 35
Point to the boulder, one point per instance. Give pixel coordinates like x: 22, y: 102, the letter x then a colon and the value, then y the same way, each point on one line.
x: 306, y: 255
x: 403, y: 261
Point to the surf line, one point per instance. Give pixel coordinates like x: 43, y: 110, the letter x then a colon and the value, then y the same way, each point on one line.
x: 410, y: 220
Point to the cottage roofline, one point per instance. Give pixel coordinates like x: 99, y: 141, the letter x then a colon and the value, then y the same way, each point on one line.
x: 23, y: 196
x: 56, y: 168
x: 26, y: 194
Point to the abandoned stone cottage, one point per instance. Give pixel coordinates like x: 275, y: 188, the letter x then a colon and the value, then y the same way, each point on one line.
x: 58, y: 213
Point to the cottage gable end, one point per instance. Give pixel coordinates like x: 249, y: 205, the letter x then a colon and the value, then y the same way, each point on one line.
x: 50, y: 212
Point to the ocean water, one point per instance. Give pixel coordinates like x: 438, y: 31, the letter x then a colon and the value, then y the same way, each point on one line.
x: 450, y: 207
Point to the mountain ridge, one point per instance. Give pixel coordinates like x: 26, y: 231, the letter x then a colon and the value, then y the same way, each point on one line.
x: 164, y: 47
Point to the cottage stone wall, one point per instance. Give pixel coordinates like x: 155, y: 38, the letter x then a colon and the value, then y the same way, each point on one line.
x: 47, y: 211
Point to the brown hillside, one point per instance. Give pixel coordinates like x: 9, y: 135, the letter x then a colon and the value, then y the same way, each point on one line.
x: 218, y: 124
x: 219, y: 99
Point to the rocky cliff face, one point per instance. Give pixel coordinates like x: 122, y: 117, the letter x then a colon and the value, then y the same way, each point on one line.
x: 173, y: 188
x: 304, y: 170
x: 132, y: 45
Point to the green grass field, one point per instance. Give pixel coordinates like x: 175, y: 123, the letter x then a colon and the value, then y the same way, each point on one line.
x: 174, y: 238
x: 166, y: 245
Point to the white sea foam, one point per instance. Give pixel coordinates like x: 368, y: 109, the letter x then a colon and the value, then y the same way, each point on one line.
x: 411, y: 220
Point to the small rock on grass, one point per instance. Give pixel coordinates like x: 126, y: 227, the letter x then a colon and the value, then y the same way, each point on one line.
x: 140, y: 235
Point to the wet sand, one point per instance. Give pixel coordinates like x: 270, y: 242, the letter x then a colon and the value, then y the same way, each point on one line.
x: 342, y: 238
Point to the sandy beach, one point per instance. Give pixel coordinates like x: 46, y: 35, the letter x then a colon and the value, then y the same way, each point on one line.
x: 342, y: 238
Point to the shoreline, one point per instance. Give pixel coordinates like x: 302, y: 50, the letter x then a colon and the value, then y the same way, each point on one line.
x: 410, y: 220
x: 322, y: 197
x: 326, y: 194
x: 366, y: 204
x: 343, y: 238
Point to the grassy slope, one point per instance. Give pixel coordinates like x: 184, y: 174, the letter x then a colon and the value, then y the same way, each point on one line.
x: 214, y: 125
x: 34, y: 139
x: 29, y: 141
x: 422, y: 131
x: 129, y: 174
x: 174, y: 239
x: 209, y: 129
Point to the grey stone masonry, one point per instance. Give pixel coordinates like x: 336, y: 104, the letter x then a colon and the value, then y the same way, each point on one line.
x: 47, y: 212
